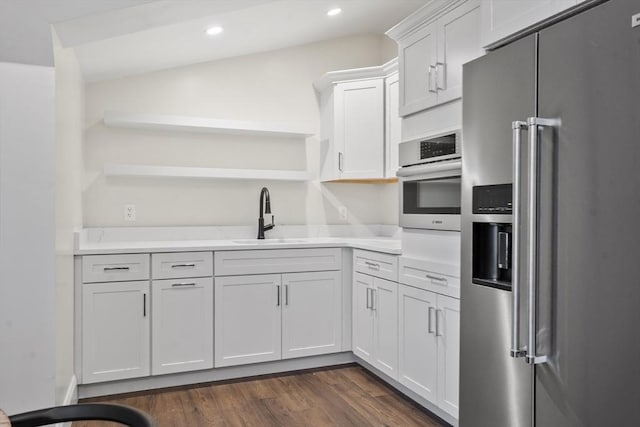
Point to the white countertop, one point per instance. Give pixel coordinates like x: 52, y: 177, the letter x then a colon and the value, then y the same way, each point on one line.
x: 390, y: 246
x: 120, y: 240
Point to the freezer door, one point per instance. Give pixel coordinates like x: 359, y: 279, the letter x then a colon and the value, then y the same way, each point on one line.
x: 495, y: 390
x: 589, y: 77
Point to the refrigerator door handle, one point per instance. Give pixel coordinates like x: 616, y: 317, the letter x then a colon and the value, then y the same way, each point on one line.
x: 535, y: 125
x: 516, y: 351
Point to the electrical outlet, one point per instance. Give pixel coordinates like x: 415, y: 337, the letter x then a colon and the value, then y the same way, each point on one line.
x: 343, y: 213
x: 129, y: 212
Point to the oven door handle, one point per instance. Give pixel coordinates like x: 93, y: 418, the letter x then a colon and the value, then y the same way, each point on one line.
x: 430, y: 171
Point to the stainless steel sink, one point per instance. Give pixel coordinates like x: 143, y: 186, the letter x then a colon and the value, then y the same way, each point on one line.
x: 267, y: 241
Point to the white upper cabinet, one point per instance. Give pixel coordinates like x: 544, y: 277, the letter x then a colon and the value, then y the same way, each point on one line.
x: 393, y: 125
x: 360, y: 125
x: 457, y: 43
x: 502, y: 18
x: 433, y: 43
x: 418, y: 57
x: 359, y: 128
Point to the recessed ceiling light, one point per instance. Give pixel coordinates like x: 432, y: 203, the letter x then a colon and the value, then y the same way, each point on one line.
x: 334, y: 12
x: 212, y: 31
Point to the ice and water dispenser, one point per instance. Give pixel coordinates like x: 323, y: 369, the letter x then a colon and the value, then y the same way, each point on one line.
x: 492, y: 243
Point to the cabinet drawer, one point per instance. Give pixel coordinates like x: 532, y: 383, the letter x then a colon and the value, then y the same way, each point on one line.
x: 266, y: 261
x: 431, y: 276
x: 115, y: 268
x: 376, y: 264
x: 181, y: 264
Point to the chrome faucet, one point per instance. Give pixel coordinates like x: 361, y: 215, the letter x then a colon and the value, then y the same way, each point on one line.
x: 264, y: 200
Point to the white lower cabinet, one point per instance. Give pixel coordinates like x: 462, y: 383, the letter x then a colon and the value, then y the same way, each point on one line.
x: 311, y: 313
x: 277, y: 316
x: 375, y: 322
x: 247, y: 319
x: 115, y: 331
x: 182, y: 325
x: 429, y: 346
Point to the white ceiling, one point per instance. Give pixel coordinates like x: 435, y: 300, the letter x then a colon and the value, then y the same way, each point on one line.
x: 159, y: 34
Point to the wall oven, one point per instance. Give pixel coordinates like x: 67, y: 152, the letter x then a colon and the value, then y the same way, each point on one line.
x: 430, y: 183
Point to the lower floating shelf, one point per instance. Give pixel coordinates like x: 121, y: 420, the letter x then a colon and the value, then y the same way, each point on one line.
x: 209, y: 173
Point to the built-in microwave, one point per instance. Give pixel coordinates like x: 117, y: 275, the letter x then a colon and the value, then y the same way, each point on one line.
x: 430, y: 179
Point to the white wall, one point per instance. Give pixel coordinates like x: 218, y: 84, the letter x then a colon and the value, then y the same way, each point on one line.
x: 273, y: 86
x: 27, y: 181
x: 69, y: 132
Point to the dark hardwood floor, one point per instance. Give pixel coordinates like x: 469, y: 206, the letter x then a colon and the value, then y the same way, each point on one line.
x: 339, y: 396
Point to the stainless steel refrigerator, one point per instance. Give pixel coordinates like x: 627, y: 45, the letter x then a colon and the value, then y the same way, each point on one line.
x: 550, y: 297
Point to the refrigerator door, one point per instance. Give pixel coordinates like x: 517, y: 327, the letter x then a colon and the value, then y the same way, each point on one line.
x: 589, y: 77
x: 495, y: 389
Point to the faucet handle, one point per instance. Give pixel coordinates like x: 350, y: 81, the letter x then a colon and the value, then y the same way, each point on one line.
x: 273, y: 223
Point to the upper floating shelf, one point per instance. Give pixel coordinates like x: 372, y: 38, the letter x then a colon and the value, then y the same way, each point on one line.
x: 129, y: 170
x: 202, y: 124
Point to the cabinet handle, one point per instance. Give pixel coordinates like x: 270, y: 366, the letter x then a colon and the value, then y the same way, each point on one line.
x: 368, y: 304
x: 441, y: 65
x: 372, y: 265
x: 115, y: 268
x: 286, y: 294
x: 373, y: 299
x: 432, y: 69
x: 438, y: 334
x: 144, y: 304
x: 340, y: 161
x: 277, y: 295
x: 176, y: 285
x: 182, y: 265
x: 430, y: 328
x: 439, y: 279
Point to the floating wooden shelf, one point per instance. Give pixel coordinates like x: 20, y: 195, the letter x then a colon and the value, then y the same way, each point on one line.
x: 203, y: 124
x: 114, y: 169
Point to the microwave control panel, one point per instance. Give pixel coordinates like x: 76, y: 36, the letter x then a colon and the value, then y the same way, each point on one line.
x: 437, y: 147
x: 492, y: 199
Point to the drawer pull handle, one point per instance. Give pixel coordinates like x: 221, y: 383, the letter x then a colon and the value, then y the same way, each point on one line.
x: 116, y: 268
x: 176, y: 285
x: 439, y: 279
x: 183, y: 265
x: 372, y: 265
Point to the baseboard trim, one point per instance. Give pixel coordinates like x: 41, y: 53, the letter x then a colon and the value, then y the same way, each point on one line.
x: 211, y: 375
x: 70, y: 397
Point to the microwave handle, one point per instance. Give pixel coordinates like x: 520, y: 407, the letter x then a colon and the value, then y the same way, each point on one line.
x: 430, y: 171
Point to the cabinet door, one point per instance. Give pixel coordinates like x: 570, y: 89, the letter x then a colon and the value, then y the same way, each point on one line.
x: 448, y: 331
x: 393, y: 130
x: 359, y: 128
x: 417, y: 60
x: 458, y: 42
x: 247, y: 319
x: 501, y: 18
x: 385, y: 308
x: 418, y: 353
x: 182, y: 325
x: 311, y: 313
x: 115, y: 331
x: 362, y: 317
